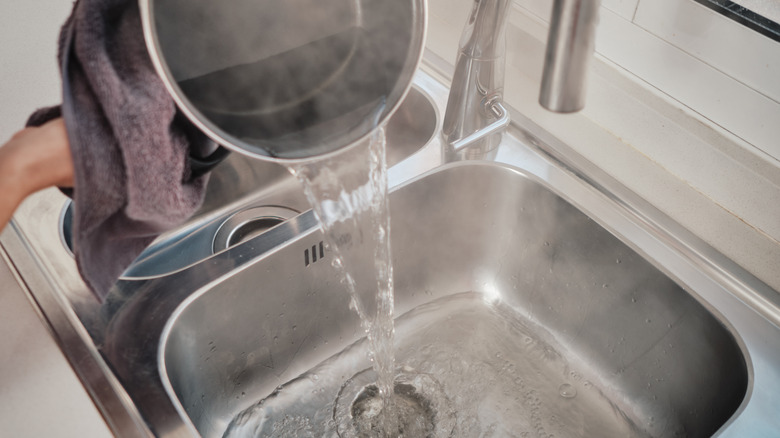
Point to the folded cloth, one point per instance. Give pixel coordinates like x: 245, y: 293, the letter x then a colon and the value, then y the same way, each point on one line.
x: 130, y: 145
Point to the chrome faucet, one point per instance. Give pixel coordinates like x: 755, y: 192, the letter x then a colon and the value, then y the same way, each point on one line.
x: 475, y: 115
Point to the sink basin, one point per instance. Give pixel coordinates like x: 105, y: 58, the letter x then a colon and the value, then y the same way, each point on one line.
x: 531, y: 316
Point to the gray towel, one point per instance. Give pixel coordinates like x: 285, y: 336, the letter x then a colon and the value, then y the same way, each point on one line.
x: 130, y: 145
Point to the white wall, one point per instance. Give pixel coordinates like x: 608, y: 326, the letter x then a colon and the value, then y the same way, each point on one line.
x: 29, y: 77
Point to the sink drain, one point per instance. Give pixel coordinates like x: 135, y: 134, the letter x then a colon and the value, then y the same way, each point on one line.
x: 420, y: 406
x: 249, y: 223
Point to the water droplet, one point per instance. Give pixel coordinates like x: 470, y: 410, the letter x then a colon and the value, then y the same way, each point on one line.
x: 546, y: 243
x: 567, y: 391
x: 648, y: 320
x: 633, y: 299
x: 605, y: 285
x: 587, y: 384
x: 617, y: 261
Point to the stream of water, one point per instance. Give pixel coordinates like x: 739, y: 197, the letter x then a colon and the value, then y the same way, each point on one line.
x: 348, y: 193
x: 350, y: 200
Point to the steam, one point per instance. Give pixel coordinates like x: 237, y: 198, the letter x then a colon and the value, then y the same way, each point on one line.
x: 290, y: 78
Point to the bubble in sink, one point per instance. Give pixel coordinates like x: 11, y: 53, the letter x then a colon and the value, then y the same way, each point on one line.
x: 566, y: 390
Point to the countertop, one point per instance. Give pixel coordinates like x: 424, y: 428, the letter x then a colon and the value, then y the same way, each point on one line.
x: 40, y: 395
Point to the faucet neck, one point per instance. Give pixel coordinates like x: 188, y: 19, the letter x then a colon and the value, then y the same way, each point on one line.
x: 478, y: 80
x: 483, y: 35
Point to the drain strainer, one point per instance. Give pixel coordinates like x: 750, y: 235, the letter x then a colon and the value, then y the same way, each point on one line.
x: 420, y: 407
x: 249, y: 223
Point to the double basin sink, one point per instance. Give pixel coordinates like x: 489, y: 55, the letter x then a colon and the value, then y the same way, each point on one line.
x: 542, y: 297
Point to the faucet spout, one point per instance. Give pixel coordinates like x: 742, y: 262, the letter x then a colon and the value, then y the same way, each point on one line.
x: 478, y: 81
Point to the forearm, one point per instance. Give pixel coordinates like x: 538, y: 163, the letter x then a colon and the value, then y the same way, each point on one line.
x: 33, y: 159
x: 10, y: 194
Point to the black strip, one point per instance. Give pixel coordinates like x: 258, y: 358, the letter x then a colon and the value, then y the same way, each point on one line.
x: 201, y: 166
x: 322, y: 251
x: 313, y: 253
x: 745, y: 17
x: 306, y: 256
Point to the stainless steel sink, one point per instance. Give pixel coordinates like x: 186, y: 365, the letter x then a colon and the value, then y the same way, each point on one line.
x: 532, y: 281
x: 493, y: 271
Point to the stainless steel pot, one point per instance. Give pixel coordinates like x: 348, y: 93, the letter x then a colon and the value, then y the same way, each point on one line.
x: 286, y: 80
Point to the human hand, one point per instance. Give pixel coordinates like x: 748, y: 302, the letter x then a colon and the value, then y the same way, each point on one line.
x: 33, y: 159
